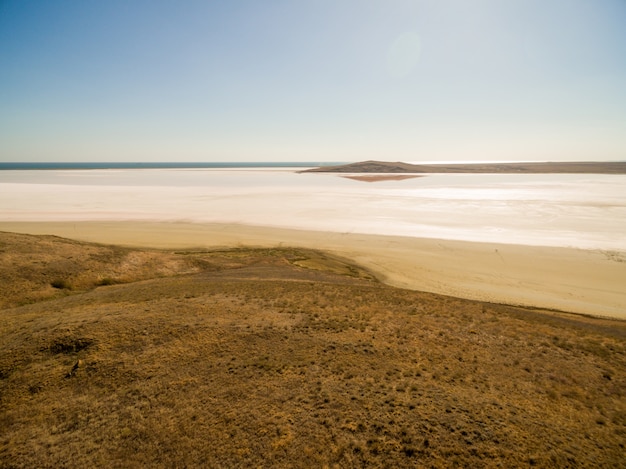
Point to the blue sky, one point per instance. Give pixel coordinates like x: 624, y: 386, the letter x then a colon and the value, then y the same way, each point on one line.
x: 340, y: 80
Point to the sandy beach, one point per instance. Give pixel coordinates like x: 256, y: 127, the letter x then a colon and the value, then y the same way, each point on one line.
x: 574, y: 280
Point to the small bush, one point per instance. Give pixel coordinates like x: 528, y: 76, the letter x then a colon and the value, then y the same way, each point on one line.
x: 107, y: 281
x: 68, y: 345
x: 61, y: 284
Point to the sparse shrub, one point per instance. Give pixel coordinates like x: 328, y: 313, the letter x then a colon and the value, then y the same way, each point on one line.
x: 68, y: 345
x: 107, y: 281
x: 61, y: 284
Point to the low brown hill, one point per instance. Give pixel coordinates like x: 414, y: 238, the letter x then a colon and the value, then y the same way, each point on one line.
x: 287, y: 358
x: 369, y: 167
x: 504, y: 168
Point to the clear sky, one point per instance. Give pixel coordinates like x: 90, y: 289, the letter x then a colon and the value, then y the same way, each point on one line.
x: 318, y: 80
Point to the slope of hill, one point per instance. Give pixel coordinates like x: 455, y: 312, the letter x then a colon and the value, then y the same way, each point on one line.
x: 116, y: 357
x: 528, y: 168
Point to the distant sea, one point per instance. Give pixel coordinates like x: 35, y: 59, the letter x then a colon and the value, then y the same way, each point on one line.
x: 168, y: 165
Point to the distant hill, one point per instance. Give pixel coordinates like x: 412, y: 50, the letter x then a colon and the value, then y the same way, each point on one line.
x: 615, y: 167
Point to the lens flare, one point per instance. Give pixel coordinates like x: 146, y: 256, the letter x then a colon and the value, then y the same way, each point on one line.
x: 403, y: 54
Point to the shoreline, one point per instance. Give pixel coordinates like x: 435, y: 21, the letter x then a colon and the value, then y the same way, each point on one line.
x: 588, y: 282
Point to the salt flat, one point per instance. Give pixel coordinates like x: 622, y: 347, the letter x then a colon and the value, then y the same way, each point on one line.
x: 564, y: 210
x: 549, y: 241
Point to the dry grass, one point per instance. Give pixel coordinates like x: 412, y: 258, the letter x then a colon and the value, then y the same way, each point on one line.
x: 251, y: 358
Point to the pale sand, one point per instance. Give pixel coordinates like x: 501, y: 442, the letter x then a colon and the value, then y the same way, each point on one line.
x: 574, y: 280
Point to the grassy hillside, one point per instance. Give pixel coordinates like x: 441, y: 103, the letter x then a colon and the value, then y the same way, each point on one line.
x: 287, y: 358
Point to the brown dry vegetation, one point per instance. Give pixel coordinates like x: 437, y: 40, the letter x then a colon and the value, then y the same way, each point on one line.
x: 287, y: 358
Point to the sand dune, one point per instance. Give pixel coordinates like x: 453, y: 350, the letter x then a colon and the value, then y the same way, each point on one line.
x: 574, y: 280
